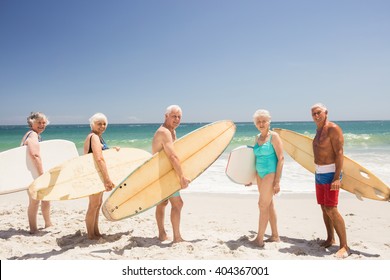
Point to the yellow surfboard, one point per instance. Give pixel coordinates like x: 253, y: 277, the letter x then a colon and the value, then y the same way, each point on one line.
x: 356, y: 179
x: 156, y: 179
x: 80, y: 177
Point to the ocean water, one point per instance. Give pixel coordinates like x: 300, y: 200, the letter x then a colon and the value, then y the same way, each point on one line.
x: 367, y: 142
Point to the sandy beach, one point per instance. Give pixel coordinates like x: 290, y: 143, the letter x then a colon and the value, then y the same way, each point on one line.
x: 215, y: 226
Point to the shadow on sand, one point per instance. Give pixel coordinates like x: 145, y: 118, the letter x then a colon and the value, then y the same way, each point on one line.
x: 299, y: 247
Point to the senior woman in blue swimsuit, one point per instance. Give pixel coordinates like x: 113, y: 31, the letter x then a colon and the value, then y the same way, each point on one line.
x: 95, y: 144
x: 268, y: 150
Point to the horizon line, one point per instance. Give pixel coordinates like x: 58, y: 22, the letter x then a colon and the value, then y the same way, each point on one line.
x: 201, y: 122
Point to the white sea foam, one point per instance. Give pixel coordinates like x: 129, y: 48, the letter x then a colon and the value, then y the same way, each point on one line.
x: 295, y: 179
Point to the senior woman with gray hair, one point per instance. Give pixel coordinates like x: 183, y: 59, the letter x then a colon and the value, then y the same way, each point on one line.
x: 268, y: 151
x: 95, y: 144
x: 37, y: 122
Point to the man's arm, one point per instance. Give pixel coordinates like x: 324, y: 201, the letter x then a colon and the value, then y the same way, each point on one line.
x: 170, y: 152
x: 337, y: 140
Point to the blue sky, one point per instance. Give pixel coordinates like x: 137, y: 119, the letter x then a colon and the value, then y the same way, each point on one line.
x: 217, y: 59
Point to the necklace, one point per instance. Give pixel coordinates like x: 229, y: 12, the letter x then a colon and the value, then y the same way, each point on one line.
x: 262, y: 139
x: 319, y: 130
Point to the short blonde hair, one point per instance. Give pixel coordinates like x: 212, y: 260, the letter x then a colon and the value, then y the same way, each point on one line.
x: 97, y: 117
x: 261, y: 113
x: 36, y: 116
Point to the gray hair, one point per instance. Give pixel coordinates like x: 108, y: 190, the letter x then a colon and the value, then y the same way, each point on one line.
x: 97, y: 117
x: 319, y: 105
x: 261, y: 113
x: 172, y: 108
x: 36, y: 116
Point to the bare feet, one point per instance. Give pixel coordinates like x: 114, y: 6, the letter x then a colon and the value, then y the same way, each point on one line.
x: 94, y: 237
x: 343, y: 253
x: 258, y: 243
x: 33, y: 231
x: 327, y: 243
x: 273, y: 239
x: 178, y: 240
x: 162, y: 236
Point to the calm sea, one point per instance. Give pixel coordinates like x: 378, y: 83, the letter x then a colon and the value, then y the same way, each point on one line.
x: 367, y: 142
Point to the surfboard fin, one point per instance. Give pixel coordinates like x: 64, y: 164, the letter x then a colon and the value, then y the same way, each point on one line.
x: 380, y: 194
x: 358, y: 195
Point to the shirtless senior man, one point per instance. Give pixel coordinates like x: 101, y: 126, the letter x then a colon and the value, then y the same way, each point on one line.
x: 163, y: 139
x: 328, y: 158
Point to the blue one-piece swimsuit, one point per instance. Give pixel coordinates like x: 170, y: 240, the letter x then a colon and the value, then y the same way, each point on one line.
x: 266, y: 159
x: 104, y: 145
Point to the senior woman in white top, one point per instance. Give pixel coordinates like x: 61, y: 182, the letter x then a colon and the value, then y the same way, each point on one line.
x: 37, y: 122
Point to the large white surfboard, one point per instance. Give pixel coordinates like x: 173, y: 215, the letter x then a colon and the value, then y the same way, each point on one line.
x: 18, y: 170
x: 241, y: 167
x: 356, y: 179
x: 80, y: 177
x: 156, y: 180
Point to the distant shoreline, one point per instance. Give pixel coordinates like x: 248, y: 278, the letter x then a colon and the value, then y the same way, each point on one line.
x: 192, y: 123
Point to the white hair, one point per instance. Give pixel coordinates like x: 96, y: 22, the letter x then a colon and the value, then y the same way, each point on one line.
x: 97, y: 117
x: 261, y: 113
x: 172, y: 108
x: 36, y: 116
x: 319, y: 105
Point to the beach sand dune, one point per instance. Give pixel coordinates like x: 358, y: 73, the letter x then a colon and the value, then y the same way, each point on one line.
x: 215, y: 226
